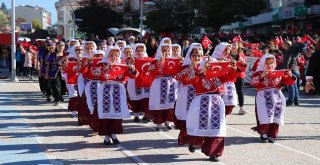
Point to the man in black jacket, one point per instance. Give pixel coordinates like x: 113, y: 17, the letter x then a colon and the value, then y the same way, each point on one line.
x: 291, y: 53
x: 313, y: 71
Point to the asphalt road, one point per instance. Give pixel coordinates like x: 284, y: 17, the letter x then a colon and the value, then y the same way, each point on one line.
x: 32, y: 131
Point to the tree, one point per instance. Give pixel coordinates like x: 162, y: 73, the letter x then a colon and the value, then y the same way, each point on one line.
x: 219, y: 12
x: 3, y: 18
x: 4, y: 8
x: 171, y: 16
x: 99, y: 15
x: 36, y: 24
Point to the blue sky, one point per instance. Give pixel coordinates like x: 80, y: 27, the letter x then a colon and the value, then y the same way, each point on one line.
x: 47, y: 4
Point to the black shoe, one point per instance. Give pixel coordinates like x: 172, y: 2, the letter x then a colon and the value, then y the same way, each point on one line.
x: 214, y: 158
x: 192, y: 148
x: 62, y: 100
x: 115, y: 141
x: 296, y: 104
x: 168, y: 126
x: 136, y: 119
x: 270, y: 140
x: 107, y: 143
x: 49, y: 99
x: 146, y: 120
x: 289, y: 103
x: 158, y: 129
x: 263, y: 139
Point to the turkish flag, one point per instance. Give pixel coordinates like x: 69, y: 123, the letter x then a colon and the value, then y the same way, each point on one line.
x: 308, y: 39
x: 217, y: 69
x: 171, y: 66
x: 71, y: 75
x: 277, y: 73
x: 280, y: 42
x: 118, y: 70
x: 205, y: 42
x: 256, y: 52
x: 95, y: 61
x: 276, y: 40
x: 252, y: 45
x: 144, y: 78
x: 237, y: 39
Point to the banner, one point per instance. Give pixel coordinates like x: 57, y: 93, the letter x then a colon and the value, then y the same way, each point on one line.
x: 250, y: 63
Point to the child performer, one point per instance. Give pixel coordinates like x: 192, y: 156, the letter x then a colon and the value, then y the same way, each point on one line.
x: 163, y: 91
x: 206, y: 125
x: 186, y: 92
x: 112, y: 99
x: 139, y: 96
x: 270, y: 102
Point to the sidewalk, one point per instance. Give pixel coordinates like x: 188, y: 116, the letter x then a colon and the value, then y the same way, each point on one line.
x: 35, y: 132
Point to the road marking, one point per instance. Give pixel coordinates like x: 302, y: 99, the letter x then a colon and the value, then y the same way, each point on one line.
x: 277, y: 144
x: 122, y: 149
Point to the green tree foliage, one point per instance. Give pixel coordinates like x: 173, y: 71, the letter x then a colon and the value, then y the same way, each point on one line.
x: 171, y: 16
x: 36, y: 24
x: 98, y: 15
x: 215, y: 13
x: 3, y: 18
x: 4, y: 8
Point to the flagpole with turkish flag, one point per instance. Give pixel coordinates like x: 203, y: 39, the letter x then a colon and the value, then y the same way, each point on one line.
x: 205, y: 42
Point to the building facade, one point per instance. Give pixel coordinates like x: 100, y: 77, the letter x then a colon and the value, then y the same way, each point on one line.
x: 66, y: 27
x: 282, y: 16
x: 29, y: 13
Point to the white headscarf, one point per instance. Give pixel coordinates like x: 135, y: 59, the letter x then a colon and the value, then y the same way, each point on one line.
x: 122, y: 51
x: 187, y: 59
x: 84, y: 48
x: 219, y: 49
x: 179, y: 47
x: 164, y: 39
x: 139, y: 45
x: 72, y: 53
x: 69, y: 44
x: 108, y: 52
x: 99, y: 52
x: 158, y: 54
x: 119, y: 41
x: 262, y: 61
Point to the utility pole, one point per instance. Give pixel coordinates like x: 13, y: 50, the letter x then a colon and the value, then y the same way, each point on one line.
x: 141, y: 17
x: 13, y: 46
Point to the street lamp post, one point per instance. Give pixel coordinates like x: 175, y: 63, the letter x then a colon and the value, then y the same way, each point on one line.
x: 13, y: 46
x: 141, y: 17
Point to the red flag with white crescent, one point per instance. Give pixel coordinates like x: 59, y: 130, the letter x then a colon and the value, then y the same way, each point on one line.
x: 71, y: 74
x: 144, y: 78
x: 118, y: 70
x: 171, y: 66
x: 205, y: 42
x: 308, y: 39
x: 217, y: 69
x: 237, y: 39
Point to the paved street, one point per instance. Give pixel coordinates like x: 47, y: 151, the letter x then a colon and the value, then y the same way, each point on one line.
x: 32, y: 131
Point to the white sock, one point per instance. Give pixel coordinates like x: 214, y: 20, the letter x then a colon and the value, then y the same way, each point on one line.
x: 107, y: 138
x: 113, y: 136
x: 167, y: 122
x: 136, y: 114
x: 74, y: 113
x: 264, y: 136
